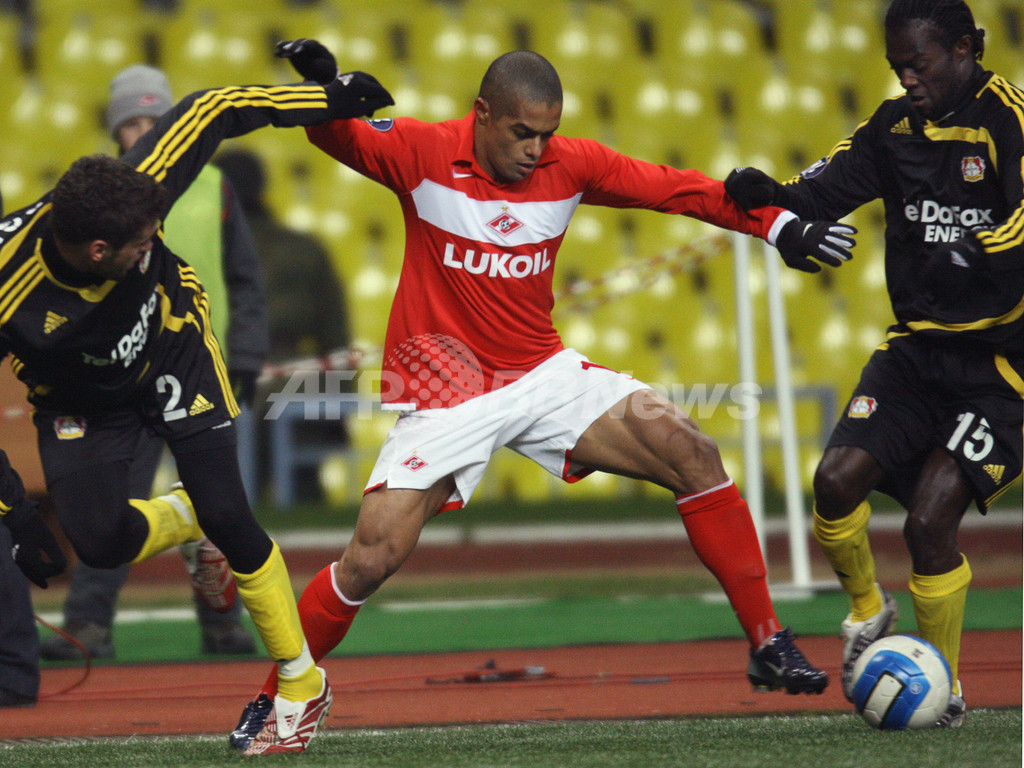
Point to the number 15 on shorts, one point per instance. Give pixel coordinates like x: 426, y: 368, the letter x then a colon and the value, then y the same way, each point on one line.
x: 976, y: 445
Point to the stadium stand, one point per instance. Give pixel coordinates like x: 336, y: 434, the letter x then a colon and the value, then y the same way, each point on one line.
x: 708, y: 84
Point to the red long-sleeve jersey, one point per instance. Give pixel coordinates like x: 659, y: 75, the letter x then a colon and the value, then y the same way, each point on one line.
x: 472, y: 311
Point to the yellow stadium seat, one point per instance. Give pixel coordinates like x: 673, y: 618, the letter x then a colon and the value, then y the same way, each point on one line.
x: 214, y: 45
x: 737, y: 30
x: 9, y: 29
x: 368, y: 435
x: 1003, y: 22
x: 452, y: 46
x: 24, y: 173
x: 515, y: 479
x: 84, y: 48
x: 689, y: 84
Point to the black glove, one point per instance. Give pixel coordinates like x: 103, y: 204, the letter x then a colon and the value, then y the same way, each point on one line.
x: 356, y: 94
x: 948, y: 267
x: 310, y: 59
x: 353, y: 94
x: 750, y: 188
x: 243, y: 386
x: 33, y: 539
x: 826, y: 241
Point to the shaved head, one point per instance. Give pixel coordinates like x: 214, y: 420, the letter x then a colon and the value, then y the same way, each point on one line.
x: 517, y: 77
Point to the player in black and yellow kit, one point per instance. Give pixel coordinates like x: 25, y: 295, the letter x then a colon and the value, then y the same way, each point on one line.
x: 110, y: 332
x: 39, y: 557
x: 936, y: 419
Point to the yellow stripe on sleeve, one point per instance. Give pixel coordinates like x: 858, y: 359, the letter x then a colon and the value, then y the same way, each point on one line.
x: 207, y: 107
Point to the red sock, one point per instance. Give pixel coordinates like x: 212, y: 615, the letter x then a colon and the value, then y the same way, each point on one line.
x: 723, y: 536
x: 325, y: 620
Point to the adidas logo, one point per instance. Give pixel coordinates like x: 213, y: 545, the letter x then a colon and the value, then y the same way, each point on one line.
x: 903, y: 126
x: 52, y: 322
x: 995, y: 471
x: 200, y: 405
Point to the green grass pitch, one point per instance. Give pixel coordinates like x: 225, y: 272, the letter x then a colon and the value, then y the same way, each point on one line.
x: 991, y: 739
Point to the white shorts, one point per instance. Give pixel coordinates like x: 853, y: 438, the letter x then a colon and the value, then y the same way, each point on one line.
x: 540, y: 416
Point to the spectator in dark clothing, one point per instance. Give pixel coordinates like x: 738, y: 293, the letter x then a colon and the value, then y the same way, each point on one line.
x: 305, y: 299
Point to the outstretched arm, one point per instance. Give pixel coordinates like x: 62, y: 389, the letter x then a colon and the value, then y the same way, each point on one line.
x: 626, y: 182
x: 798, y: 240
x: 822, y: 194
x: 185, y: 137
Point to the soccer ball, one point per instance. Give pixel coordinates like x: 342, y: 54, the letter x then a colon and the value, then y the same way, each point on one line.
x: 901, y: 682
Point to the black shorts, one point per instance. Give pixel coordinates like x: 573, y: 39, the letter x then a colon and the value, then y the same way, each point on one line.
x: 186, y: 401
x: 915, y: 395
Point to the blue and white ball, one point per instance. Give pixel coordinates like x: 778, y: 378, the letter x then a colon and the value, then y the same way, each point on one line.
x: 901, y: 682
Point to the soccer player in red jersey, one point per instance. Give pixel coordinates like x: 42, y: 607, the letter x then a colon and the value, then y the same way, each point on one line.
x: 473, y: 361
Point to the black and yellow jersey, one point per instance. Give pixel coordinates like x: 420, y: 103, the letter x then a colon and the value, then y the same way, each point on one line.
x: 939, y: 181
x: 84, y: 345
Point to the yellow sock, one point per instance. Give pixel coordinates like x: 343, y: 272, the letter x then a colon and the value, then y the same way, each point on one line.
x: 939, y: 607
x: 267, y: 594
x: 847, y: 549
x: 305, y: 685
x: 172, y: 521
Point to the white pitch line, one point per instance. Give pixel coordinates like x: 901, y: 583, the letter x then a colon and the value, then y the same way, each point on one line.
x: 133, y: 615
x: 409, y: 606
x: 553, y: 533
x: 140, y: 615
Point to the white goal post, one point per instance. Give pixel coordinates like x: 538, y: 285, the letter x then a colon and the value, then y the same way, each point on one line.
x: 796, y: 516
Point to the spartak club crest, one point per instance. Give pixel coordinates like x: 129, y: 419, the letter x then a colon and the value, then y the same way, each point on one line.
x: 505, y: 224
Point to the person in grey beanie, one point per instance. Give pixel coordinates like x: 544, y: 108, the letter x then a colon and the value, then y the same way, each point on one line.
x: 207, y: 224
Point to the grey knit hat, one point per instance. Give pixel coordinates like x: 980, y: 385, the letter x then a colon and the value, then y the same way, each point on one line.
x: 138, y: 91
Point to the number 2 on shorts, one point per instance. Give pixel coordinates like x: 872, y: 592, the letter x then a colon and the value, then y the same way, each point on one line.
x: 171, y: 411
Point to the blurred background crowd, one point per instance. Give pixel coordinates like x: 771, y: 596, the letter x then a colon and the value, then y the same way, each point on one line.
x: 706, y: 84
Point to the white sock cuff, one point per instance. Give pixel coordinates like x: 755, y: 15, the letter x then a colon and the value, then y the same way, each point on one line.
x: 334, y: 586
x: 179, y: 506
x: 295, y: 667
x: 683, y: 499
